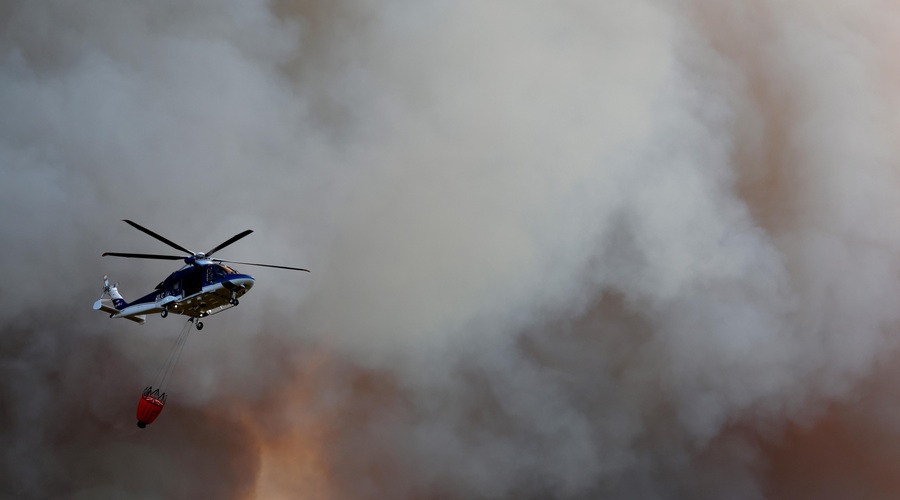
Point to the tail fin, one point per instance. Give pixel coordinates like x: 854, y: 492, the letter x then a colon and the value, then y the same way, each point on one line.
x: 113, y: 292
x: 117, y: 299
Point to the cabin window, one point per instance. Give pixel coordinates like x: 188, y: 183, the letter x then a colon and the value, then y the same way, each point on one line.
x: 192, y: 282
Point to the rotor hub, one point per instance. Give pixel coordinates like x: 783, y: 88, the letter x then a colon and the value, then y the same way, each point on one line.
x: 194, y: 258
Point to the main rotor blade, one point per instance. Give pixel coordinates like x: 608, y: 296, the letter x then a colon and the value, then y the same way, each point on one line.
x: 143, y: 256
x: 160, y: 238
x: 230, y: 241
x: 262, y: 265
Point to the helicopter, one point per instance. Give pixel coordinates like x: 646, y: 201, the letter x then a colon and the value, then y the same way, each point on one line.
x: 203, y: 287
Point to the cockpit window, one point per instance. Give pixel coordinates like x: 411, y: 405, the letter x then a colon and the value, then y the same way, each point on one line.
x: 227, y: 269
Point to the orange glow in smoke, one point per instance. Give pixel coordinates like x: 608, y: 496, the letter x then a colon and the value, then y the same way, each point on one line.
x: 291, y: 436
x: 311, y: 432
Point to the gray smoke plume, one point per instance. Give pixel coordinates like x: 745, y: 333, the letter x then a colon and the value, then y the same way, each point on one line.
x: 621, y: 249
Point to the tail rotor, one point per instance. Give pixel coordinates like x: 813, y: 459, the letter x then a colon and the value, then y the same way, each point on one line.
x: 105, y: 291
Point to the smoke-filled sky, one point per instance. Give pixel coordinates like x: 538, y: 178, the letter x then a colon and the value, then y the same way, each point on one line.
x: 618, y: 249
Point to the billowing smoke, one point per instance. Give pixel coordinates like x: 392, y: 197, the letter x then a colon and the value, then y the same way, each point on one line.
x: 621, y: 249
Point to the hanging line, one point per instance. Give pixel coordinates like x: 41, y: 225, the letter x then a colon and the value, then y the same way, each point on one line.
x: 174, y: 355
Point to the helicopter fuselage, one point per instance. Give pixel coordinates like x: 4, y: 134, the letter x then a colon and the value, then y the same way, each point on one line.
x: 199, y: 289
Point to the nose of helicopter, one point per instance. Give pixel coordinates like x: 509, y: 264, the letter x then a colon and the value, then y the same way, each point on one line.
x: 245, y: 282
x: 242, y: 282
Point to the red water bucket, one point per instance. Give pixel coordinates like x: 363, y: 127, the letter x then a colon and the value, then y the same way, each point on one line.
x: 149, y: 406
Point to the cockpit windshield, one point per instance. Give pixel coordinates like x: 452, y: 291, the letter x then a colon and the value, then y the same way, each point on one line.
x: 227, y: 269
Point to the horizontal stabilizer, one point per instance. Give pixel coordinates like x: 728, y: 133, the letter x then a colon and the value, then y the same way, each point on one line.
x: 137, y: 319
x: 106, y: 306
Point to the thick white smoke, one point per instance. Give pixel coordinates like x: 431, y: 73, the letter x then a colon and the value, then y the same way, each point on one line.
x: 578, y: 250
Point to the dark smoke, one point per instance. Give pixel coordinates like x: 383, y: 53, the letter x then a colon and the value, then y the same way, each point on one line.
x: 626, y: 249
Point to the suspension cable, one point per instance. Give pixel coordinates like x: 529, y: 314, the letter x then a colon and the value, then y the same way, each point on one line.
x: 174, y: 355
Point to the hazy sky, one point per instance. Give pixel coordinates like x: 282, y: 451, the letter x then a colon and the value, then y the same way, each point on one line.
x: 573, y: 249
